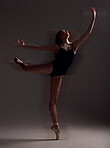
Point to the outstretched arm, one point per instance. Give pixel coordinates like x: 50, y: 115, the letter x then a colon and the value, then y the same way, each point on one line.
x: 54, y: 48
x: 78, y: 42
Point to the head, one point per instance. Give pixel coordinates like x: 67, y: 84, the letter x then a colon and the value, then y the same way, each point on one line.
x: 61, y: 37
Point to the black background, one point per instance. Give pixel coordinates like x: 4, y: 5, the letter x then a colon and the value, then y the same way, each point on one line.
x: 85, y: 94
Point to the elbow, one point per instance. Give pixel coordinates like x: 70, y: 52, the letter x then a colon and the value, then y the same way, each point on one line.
x: 75, y: 49
x: 90, y: 32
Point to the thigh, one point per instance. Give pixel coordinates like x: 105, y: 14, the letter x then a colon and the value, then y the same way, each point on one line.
x: 55, y: 87
x: 42, y: 68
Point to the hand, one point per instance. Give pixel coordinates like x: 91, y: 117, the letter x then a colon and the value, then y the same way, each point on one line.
x: 21, y: 42
x: 93, y: 12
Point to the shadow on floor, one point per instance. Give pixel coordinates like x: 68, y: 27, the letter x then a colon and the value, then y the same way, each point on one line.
x: 5, y: 141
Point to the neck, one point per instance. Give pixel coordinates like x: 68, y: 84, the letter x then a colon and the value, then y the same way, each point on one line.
x: 66, y: 42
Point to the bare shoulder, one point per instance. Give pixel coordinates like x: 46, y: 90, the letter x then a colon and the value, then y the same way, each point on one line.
x: 56, y: 47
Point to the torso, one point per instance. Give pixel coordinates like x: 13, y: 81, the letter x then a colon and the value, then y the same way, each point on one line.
x: 63, y: 59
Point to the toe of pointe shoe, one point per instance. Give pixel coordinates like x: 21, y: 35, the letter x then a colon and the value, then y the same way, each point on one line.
x: 17, y: 60
x: 21, y: 63
x: 57, y: 136
x: 57, y: 132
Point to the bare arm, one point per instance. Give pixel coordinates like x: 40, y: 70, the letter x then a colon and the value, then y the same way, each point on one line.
x: 78, y: 42
x: 54, y: 48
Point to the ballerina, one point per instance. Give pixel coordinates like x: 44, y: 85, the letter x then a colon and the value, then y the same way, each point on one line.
x: 64, y: 53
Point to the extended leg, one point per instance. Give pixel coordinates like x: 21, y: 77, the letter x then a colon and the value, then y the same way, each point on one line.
x: 41, y: 69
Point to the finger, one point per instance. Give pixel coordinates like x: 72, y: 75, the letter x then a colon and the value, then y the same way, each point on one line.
x: 93, y: 9
x: 17, y: 40
x: 22, y: 41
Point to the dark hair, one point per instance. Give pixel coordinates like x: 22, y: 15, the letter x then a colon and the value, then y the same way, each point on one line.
x: 58, y: 40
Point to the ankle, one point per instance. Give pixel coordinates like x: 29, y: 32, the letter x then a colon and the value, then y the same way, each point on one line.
x: 55, y: 125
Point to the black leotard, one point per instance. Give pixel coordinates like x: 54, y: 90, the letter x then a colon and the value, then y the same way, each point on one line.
x: 63, y: 60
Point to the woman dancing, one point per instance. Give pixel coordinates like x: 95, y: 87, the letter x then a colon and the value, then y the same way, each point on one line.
x: 64, y: 52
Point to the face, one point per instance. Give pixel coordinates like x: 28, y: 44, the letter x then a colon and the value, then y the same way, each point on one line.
x: 64, y: 34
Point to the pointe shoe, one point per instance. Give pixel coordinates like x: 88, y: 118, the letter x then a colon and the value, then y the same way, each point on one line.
x: 18, y: 61
x: 57, y: 132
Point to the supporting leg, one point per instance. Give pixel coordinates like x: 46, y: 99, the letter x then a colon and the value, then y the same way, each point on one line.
x: 55, y: 88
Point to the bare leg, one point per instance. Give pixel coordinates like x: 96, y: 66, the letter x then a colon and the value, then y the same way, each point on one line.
x: 41, y: 69
x: 55, y: 88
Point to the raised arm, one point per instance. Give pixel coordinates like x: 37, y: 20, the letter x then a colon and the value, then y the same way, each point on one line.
x: 78, y: 42
x: 54, y: 48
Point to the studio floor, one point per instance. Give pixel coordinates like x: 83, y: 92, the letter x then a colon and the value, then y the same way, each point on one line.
x: 43, y: 137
